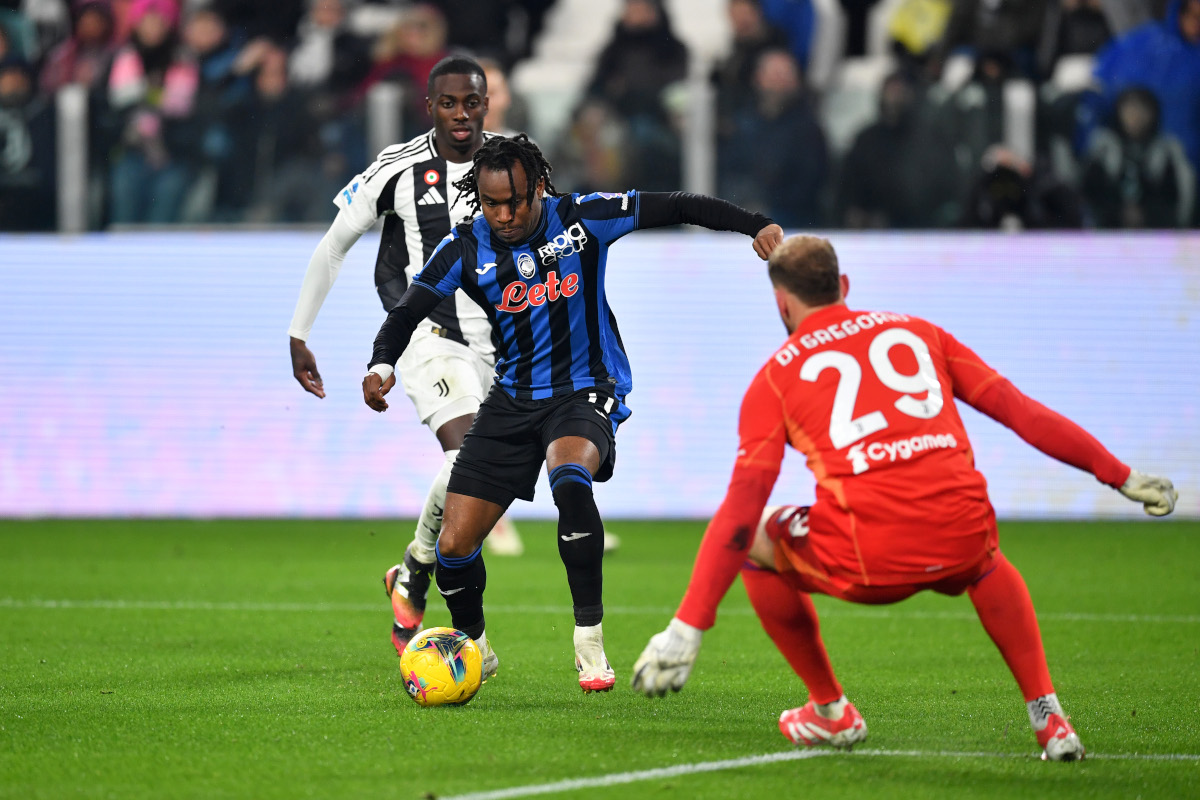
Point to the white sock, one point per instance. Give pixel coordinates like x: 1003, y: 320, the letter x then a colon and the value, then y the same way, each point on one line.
x: 832, y: 710
x: 1040, y: 709
x: 429, y: 525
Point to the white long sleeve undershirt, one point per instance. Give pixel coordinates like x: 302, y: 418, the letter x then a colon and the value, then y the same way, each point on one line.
x: 322, y: 271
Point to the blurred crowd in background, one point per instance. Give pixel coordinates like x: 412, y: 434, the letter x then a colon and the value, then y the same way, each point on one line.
x: 872, y: 114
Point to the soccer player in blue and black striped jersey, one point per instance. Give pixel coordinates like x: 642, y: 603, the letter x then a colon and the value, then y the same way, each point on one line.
x: 535, y: 261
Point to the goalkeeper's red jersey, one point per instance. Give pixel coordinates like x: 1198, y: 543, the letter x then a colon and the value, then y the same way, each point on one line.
x: 868, y: 398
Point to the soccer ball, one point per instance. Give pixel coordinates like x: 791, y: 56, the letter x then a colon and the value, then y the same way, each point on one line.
x: 441, y: 666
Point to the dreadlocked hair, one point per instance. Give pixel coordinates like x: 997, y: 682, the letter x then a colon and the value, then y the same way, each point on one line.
x: 499, y: 154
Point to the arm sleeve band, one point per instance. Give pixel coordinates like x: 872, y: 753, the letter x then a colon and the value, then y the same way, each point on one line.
x: 397, y: 329
x: 725, y: 545
x: 323, y: 270
x: 1050, y: 432
x: 660, y: 209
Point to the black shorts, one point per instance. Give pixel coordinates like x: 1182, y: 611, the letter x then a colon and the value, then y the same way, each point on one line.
x: 503, y: 452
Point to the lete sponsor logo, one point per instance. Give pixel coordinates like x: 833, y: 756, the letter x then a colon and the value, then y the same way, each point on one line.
x: 517, y: 296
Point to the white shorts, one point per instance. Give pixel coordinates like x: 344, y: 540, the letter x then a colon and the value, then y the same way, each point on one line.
x: 444, y: 379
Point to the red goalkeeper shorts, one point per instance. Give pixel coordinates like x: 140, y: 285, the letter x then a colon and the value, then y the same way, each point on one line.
x: 799, y: 565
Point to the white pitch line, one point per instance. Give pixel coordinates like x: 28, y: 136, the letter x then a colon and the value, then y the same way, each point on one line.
x: 896, y: 613
x: 619, y: 778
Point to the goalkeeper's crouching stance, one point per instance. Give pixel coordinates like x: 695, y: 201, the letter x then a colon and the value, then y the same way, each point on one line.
x: 900, y: 507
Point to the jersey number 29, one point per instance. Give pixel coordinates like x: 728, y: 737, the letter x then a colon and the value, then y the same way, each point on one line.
x: 844, y: 429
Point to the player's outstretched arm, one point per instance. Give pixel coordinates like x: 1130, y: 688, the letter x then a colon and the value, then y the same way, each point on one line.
x: 987, y: 391
x: 322, y: 271
x: 661, y: 209
x: 667, y: 660
x: 1157, y: 495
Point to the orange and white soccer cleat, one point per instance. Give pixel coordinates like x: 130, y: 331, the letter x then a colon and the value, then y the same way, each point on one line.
x: 407, y: 585
x: 804, y: 726
x: 1059, y: 741
x: 595, y: 673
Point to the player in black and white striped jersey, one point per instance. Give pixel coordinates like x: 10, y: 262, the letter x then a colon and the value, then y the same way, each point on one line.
x: 449, y: 367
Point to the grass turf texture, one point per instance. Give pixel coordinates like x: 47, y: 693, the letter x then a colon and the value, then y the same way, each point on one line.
x: 251, y: 659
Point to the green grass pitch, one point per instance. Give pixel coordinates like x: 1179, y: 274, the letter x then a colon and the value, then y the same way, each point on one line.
x: 230, y: 659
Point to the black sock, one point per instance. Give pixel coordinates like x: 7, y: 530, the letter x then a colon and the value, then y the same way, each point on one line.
x: 461, y: 582
x: 580, y: 540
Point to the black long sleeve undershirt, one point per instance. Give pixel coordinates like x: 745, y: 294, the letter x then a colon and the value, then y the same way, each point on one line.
x: 417, y: 302
x: 660, y: 209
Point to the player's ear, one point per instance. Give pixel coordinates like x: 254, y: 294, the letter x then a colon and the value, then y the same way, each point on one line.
x: 844, y: 280
x: 429, y: 106
x: 781, y: 304
x: 541, y: 188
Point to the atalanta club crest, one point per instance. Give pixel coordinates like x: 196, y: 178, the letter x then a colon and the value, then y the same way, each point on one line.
x: 525, y: 265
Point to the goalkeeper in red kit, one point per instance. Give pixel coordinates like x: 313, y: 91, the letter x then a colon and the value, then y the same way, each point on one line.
x: 867, y: 397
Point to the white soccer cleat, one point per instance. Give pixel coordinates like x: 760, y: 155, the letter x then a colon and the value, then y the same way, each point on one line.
x: 1059, y: 741
x: 1156, y: 494
x: 595, y: 674
x: 491, y: 662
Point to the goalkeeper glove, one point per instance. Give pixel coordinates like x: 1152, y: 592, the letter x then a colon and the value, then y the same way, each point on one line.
x: 1157, y: 494
x: 667, y: 660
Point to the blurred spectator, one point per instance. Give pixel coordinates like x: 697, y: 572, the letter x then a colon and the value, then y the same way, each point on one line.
x: 1013, y: 27
x: 1073, y: 27
x: 1011, y: 194
x: 972, y: 116
x: 900, y: 171
x: 225, y: 85
x: 734, y: 76
x: 84, y: 56
x: 17, y: 36
x: 479, y: 26
x: 328, y: 55
x: 50, y: 21
x: 406, y: 54
x: 640, y: 61
x: 530, y: 21
x: 152, y: 92
x: 284, y: 171
x: 1164, y: 57
x: 507, y: 114
x: 775, y: 161
x: 797, y: 19
x: 276, y: 20
x: 1134, y: 176
x: 27, y: 154
x: 591, y: 154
